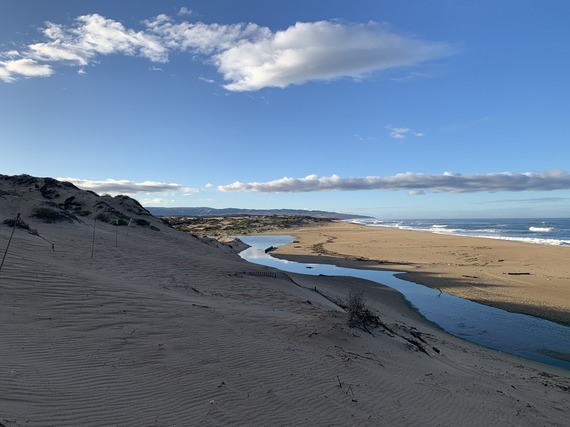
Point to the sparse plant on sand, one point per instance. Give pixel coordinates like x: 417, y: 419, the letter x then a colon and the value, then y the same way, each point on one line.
x: 102, y: 217
x: 354, y: 304
x: 51, y: 215
x: 18, y: 222
x: 359, y: 316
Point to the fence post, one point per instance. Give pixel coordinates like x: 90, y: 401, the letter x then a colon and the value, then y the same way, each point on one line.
x: 10, y: 240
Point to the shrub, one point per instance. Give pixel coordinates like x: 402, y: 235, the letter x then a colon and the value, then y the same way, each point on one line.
x: 359, y: 315
x: 71, y: 203
x: 354, y: 304
x: 17, y: 222
x: 101, y: 217
x: 51, y: 215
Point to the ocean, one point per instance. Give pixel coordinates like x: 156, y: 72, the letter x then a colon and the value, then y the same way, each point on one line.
x: 551, y: 231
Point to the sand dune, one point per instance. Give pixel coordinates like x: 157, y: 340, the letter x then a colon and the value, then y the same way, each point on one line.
x: 162, y: 328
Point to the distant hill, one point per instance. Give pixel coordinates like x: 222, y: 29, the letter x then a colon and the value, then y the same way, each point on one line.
x: 205, y: 211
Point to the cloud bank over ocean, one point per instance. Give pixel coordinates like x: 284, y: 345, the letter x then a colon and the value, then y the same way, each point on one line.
x: 415, y: 183
x: 249, y: 57
x: 114, y: 186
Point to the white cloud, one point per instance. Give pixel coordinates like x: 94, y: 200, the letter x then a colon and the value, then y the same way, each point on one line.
x: 157, y: 201
x: 113, y: 186
x: 415, y: 183
x: 11, y: 54
x: 204, y: 38
x: 402, y: 133
x: 96, y: 35
x: 13, y: 69
x: 321, y: 51
x: 184, y: 11
x: 248, y: 56
x: 79, y: 45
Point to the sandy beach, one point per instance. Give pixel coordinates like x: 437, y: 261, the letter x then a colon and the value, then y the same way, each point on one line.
x: 144, y: 325
x: 521, y: 277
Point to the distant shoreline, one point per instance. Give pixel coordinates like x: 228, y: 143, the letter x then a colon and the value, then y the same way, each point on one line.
x: 543, y: 231
x: 229, y: 212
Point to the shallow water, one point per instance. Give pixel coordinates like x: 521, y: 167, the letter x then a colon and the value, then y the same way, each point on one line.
x: 522, y: 335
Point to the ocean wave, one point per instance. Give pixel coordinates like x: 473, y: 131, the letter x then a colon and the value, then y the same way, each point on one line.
x: 441, y: 230
x: 538, y: 241
x: 541, y: 229
x: 487, y: 233
x: 490, y: 230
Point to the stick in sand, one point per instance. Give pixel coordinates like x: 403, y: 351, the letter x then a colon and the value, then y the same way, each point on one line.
x: 10, y: 240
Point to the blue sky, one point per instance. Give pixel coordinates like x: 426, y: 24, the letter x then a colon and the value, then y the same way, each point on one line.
x: 395, y: 109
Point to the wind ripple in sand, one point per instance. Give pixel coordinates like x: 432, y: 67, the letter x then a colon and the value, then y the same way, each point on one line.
x: 171, y: 332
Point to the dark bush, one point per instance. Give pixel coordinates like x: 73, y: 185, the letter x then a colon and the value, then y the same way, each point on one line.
x: 71, y: 203
x: 101, y: 217
x: 51, y: 215
x: 18, y: 222
x: 359, y: 316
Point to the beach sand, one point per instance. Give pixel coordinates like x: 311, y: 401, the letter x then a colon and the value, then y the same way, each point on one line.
x: 150, y: 326
x: 521, y: 277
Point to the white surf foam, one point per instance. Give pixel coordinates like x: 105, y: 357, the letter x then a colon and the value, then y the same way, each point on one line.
x: 541, y: 229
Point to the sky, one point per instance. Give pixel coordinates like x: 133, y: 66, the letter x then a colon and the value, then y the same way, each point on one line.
x: 387, y: 108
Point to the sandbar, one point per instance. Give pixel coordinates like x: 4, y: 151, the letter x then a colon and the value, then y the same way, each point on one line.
x: 520, y: 277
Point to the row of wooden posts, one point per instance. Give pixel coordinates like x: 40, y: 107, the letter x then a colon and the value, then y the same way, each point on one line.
x: 52, y: 245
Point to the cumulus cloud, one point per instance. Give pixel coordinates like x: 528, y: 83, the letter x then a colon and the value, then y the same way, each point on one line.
x: 414, y: 183
x: 93, y: 35
x: 25, y: 67
x: 248, y: 56
x: 208, y: 39
x: 402, y: 133
x: 113, y: 186
x: 321, y: 51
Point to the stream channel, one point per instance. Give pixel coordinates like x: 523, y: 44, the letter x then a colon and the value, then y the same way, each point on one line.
x: 519, y: 334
